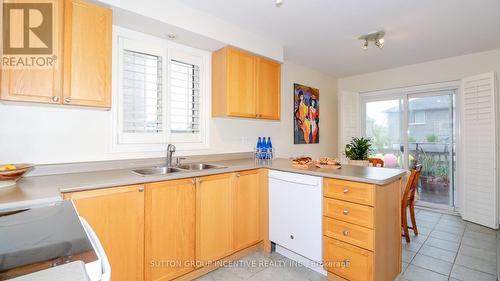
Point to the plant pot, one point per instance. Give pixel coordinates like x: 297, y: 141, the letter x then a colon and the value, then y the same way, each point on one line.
x: 365, y: 163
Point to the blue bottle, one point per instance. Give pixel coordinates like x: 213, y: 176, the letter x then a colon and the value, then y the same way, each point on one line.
x: 269, y: 148
x: 263, y: 154
x: 258, y: 147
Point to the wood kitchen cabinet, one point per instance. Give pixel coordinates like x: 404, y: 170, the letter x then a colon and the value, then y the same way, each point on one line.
x: 362, y: 230
x: 87, y: 54
x: 82, y: 71
x: 268, y: 99
x: 117, y: 217
x: 245, y: 85
x: 247, y: 209
x: 214, y: 217
x: 37, y: 85
x: 169, y: 229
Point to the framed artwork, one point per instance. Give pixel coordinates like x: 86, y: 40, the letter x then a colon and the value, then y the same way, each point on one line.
x: 306, y: 114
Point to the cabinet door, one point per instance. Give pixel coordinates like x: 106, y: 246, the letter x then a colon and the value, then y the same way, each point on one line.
x: 247, y: 209
x: 87, y: 54
x: 214, y: 218
x: 37, y: 85
x: 117, y: 217
x: 170, y: 229
x: 268, y: 91
x: 241, y: 83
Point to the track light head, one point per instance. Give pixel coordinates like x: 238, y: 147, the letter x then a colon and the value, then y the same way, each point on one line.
x: 379, y: 43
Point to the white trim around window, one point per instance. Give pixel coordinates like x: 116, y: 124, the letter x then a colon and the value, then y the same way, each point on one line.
x: 156, y: 141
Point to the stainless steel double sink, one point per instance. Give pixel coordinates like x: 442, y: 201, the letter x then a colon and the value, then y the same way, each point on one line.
x: 154, y: 171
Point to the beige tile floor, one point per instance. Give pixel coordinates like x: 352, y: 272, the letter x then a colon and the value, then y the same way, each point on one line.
x: 447, y: 248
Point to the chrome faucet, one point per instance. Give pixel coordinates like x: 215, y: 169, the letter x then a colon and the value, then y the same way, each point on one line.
x: 170, y: 152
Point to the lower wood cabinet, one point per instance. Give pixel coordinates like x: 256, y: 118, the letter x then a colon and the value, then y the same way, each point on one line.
x: 165, y: 230
x: 170, y: 229
x: 362, y: 230
x: 117, y: 217
x: 347, y: 261
x: 214, y: 217
x: 247, y: 209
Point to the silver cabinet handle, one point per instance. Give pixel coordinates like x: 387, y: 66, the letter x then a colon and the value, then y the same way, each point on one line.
x: 345, y: 190
x: 345, y: 212
x: 141, y: 189
x: 198, y: 181
x: 55, y: 99
x: 345, y: 232
x: 237, y: 175
x: 193, y: 181
x: 67, y: 100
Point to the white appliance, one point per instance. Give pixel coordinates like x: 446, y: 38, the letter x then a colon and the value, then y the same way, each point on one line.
x: 295, y: 217
x: 35, y: 236
x: 99, y: 270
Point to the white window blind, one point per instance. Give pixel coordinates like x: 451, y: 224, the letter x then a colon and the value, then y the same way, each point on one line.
x: 184, y: 97
x: 478, y: 141
x: 162, y: 94
x: 142, y: 93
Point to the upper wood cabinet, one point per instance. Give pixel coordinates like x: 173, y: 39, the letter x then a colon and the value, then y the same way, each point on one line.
x: 170, y: 229
x: 247, y: 209
x: 214, y: 217
x: 37, y: 85
x: 268, y: 89
x: 245, y: 85
x: 82, y: 71
x: 87, y: 54
x: 117, y: 217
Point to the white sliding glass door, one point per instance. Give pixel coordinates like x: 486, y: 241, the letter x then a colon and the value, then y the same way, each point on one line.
x: 416, y: 126
x: 431, y: 142
x: 383, y: 125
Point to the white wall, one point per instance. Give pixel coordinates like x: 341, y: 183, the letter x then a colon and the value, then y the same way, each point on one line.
x: 44, y: 134
x: 449, y: 69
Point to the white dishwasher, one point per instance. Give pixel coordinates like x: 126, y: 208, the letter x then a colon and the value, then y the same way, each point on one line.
x: 295, y: 215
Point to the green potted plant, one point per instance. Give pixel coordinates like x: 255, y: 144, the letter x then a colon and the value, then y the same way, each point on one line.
x: 357, y: 151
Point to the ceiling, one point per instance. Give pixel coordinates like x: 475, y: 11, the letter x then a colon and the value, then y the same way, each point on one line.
x: 322, y: 34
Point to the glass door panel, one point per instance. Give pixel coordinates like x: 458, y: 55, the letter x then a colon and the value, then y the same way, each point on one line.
x: 383, y: 125
x: 431, y: 143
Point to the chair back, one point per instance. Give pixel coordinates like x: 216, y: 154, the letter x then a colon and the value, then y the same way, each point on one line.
x: 411, y: 187
x: 376, y: 162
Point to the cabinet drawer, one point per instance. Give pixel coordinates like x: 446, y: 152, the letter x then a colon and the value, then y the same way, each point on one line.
x: 355, y: 192
x: 349, y: 212
x: 347, y: 261
x: 348, y: 232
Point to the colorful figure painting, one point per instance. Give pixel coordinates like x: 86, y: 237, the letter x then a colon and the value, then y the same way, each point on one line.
x: 306, y: 114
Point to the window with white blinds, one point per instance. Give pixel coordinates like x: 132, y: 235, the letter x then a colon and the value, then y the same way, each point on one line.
x: 162, y: 95
x: 142, y: 93
x: 184, y: 97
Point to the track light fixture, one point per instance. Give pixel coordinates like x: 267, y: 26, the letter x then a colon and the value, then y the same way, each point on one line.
x: 365, y: 45
x: 376, y: 37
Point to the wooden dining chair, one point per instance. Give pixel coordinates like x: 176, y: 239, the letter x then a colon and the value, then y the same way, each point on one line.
x: 409, y: 202
x: 376, y: 162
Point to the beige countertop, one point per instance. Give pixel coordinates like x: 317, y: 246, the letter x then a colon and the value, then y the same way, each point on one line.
x: 37, y: 190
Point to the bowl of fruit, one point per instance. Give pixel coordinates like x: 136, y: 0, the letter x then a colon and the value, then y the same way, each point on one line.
x: 10, y: 173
